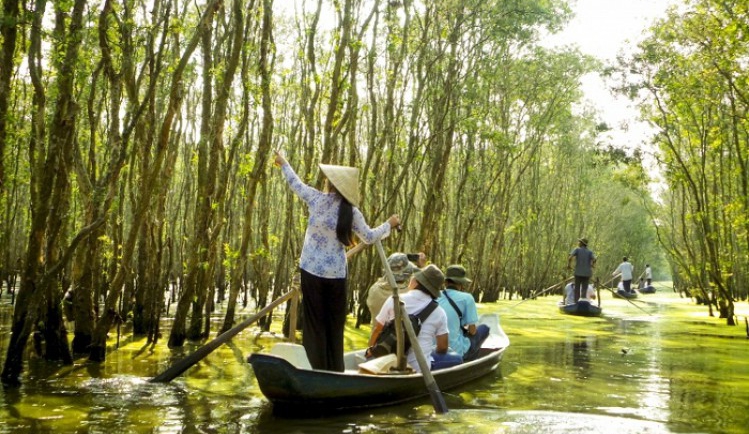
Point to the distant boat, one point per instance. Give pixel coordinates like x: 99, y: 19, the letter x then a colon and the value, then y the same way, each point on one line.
x: 650, y: 289
x: 583, y: 307
x: 621, y: 293
x: 295, y: 389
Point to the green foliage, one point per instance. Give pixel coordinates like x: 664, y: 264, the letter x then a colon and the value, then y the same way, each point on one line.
x: 458, y: 120
x: 690, y: 67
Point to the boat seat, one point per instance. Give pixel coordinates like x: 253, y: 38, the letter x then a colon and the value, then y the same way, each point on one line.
x: 292, y: 353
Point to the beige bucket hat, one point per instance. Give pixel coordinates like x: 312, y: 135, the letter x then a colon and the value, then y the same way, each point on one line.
x: 345, y: 179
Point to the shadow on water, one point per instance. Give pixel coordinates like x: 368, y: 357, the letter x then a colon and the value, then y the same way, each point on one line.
x: 670, y: 369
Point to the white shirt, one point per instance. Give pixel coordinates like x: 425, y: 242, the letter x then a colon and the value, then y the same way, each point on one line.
x: 435, y: 325
x: 648, y: 273
x: 569, y: 293
x: 626, y: 268
x: 322, y: 254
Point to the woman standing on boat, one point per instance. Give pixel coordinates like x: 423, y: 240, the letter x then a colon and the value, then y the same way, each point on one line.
x: 333, y: 219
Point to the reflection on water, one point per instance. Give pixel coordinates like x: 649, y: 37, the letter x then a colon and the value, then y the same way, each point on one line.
x: 628, y: 372
x: 581, y: 349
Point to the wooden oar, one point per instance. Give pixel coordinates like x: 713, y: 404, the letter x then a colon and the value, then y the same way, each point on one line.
x: 182, y: 365
x: 356, y: 249
x: 534, y: 295
x: 399, y: 330
x: 361, y: 246
x: 606, y: 283
x: 438, y: 401
x: 185, y: 363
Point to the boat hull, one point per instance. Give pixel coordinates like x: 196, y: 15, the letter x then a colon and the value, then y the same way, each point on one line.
x: 624, y: 294
x: 581, y: 308
x: 298, y: 391
x: 293, y: 390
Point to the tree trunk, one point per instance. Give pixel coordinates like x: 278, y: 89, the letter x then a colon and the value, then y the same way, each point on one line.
x: 8, y: 30
x: 258, y: 171
x: 98, y: 346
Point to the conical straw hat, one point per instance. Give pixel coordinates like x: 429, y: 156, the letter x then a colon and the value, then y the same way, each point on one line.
x: 345, y: 179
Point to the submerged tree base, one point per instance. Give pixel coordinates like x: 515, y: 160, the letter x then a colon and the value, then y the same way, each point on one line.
x: 176, y: 340
x: 81, y: 342
x: 97, y: 353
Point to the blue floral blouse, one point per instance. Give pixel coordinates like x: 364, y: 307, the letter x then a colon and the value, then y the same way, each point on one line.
x: 322, y: 254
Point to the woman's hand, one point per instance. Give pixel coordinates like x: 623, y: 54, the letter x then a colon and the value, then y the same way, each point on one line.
x: 279, y: 160
x: 394, y: 221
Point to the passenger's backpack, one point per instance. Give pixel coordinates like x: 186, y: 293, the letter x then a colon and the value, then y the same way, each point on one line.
x: 386, y: 342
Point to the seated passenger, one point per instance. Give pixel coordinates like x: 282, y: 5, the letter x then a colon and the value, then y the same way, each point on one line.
x: 569, y: 293
x: 402, y: 270
x: 425, y: 286
x: 466, y: 336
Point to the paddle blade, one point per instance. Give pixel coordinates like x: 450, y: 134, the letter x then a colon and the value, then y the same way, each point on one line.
x: 438, y: 401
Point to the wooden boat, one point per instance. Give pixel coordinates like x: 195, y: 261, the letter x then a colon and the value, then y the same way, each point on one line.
x: 621, y: 293
x: 295, y: 389
x: 647, y: 290
x: 581, y: 308
x: 624, y: 294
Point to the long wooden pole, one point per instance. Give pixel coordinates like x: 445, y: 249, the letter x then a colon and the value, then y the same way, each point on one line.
x: 185, y: 363
x: 438, y: 401
x: 534, y: 295
x: 356, y: 249
x: 182, y: 365
x: 400, y: 348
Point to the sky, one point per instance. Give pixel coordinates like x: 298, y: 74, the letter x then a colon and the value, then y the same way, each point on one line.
x: 604, y: 29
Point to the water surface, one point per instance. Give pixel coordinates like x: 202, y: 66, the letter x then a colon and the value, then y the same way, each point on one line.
x: 658, y: 365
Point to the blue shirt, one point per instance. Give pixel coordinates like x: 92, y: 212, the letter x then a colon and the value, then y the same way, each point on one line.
x: 322, y: 254
x: 467, y: 305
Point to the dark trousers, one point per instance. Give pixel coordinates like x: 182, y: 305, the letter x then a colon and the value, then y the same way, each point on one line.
x: 581, y: 283
x: 482, y: 332
x: 627, y: 284
x: 324, y: 307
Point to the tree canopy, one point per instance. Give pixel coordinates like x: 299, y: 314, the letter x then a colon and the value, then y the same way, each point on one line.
x: 136, y: 139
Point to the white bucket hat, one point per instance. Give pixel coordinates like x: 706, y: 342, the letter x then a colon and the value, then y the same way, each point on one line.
x: 345, y: 179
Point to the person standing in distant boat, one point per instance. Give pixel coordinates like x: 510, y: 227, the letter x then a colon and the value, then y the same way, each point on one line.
x: 585, y: 261
x: 626, y: 269
x: 648, y: 275
x: 333, y: 220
